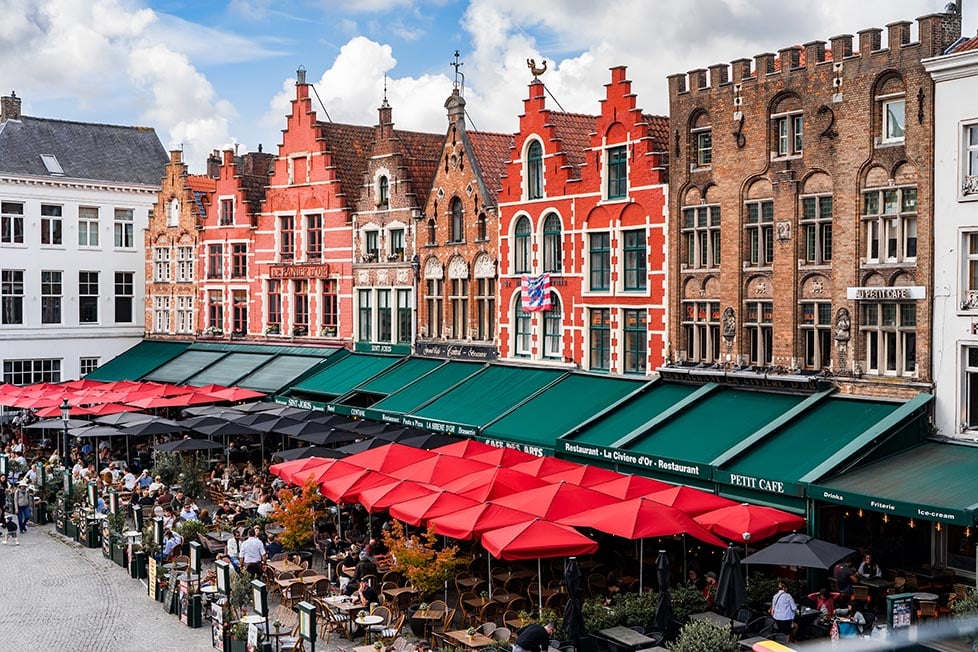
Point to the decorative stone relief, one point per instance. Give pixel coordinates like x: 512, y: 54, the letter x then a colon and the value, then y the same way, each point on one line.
x: 842, y: 325
x: 729, y: 324
x: 363, y: 277
x: 403, y: 276
x: 383, y: 276
x: 458, y: 268
x: 484, y: 267
x: 784, y: 230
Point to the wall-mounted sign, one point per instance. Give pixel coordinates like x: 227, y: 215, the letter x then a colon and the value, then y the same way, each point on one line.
x: 298, y: 271
x: 481, y: 353
x: 887, y: 293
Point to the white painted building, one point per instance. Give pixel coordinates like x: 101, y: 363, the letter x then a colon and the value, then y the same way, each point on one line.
x: 74, y: 202
x: 955, y: 346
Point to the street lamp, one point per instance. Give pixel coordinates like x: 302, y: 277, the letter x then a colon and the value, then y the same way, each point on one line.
x: 65, y: 415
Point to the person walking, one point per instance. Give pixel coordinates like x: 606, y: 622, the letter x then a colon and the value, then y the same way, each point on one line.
x: 10, y: 531
x: 783, y: 610
x: 22, y: 502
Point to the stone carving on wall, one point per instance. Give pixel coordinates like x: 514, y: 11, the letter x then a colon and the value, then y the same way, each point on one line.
x: 729, y: 324
x: 433, y: 269
x: 485, y: 266
x: 458, y: 268
x: 842, y: 325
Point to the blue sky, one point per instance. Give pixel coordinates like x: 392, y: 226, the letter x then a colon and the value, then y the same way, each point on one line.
x: 211, y: 73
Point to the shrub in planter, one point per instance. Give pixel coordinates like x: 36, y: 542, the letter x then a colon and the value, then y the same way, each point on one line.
x: 686, y: 601
x: 190, y: 530
x: 637, y: 609
x: 702, y: 636
x: 597, y: 616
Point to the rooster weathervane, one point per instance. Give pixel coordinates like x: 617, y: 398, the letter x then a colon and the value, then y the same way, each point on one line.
x: 532, y: 65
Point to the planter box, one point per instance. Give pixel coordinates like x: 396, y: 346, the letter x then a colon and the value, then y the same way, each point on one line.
x: 71, y: 530
x: 119, y: 554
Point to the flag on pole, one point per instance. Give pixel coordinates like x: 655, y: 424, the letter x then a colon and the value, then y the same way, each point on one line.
x: 535, y: 292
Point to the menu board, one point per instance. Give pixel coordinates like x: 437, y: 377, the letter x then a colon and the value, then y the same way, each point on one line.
x: 217, y: 626
x: 151, y: 575
x: 901, y: 611
x: 106, y: 540
x: 184, y: 600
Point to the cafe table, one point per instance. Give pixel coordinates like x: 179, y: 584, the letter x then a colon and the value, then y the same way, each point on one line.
x: 626, y: 637
x: 348, y: 606
x: 428, y: 616
x: 395, y: 593
x: 219, y: 535
x: 474, y: 642
x: 717, y: 619
x: 364, y: 648
x: 366, y: 621
x: 284, y: 566
x: 308, y: 580
x: 748, y: 643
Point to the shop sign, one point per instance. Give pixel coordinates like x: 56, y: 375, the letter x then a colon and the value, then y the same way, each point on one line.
x: 446, y: 427
x: 298, y: 271
x: 654, y: 462
x: 887, y: 293
x: 306, y: 404
x: 755, y: 483
x: 539, y: 451
x: 481, y: 353
x: 382, y: 347
x: 895, y: 507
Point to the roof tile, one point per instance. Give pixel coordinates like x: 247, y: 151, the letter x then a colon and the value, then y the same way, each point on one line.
x: 574, y: 130
x: 491, y: 152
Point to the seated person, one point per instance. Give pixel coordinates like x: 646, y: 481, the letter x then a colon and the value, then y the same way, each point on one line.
x: 349, y: 564
x: 613, y: 587
x: 365, y: 596
x: 845, y: 576
x: 710, y: 587
x: 188, y: 513
x: 171, y: 545
x: 273, y: 547
x: 869, y: 569
x: 694, y: 580
x: 824, y: 601
x: 205, y: 517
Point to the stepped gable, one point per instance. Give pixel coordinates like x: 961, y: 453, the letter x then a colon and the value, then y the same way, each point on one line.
x: 85, y: 150
x: 491, y: 152
x: 203, y: 188
x: 574, y: 131
x: 348, y: 146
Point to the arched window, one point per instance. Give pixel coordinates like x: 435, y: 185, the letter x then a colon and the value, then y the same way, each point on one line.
x: 431, y: 232
x: 522, y: 326
x: 383, y: 192
x: 521, y: 246
x: 552, y: 244
x: 552, y: 329
x: 458, y: 227
x: 534, y: 170
x: 482, y: 227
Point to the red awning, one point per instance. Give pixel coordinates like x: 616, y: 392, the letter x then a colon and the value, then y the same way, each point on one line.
x: 536, y: 539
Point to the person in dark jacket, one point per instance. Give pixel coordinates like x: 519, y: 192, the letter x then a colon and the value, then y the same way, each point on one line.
x: 533, y: 638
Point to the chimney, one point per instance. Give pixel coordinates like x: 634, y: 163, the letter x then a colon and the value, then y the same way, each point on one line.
x: 300, y: 76
x: 214, y: 165
x: 9, y: 107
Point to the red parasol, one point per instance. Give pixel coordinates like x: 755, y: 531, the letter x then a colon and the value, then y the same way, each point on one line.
x: 481, y: 517
x: 493, y: 483
x: 103, y: 409
x: 536, y: 539
x: 502, y: 457
x: 296, y: 471
x: 235, y: 394
x: 749, y: 522
x: 346, y: 487
x: 543, y: 466
x: 433, y: 505
x: 439, y: 469
x: 381, y: 497
x: 585, y: 475
x: 555, y: 501
x: 464, y: 448
x: 389, y: 458
x: 641, y: 518
x: 692, y: 501
x: 626, y: 487
x: 55, y: 411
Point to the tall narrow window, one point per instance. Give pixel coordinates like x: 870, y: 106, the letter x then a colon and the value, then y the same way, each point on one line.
x: 185, y: 314
x: 600, y: 339
x: 434, y: 299
x: 894, y: 120
x: 458, y: 224
x: 969, y: 260
x: 286, y: 237
x: 384, y: 317
x: 88, y: 297
x: 760, y: 233
x: 816, y: 328
x: 636, y: 252
x: 969, y: 158
x: 759, y: 324
x: 460, y: 307
x: 701, y: 236
x: 432, y: 233
x: 51, y: 297
x: 161, y: 313
x: 239, y: 312
x: 371, y: 246
x: 481, y: 234
x: 970, y: 389
x: 521, y: 246
x: 331, y: 307
x: 702, y: 147
x: 534, y: 170
x: 123, y: 227
x: 185, y: 264
x: 788, y: 133
x: 161, y: 264
x: 124, y: 292
x: 405, y: 316
x: 12, y: 223
x: 383, y: 192
x: 890, y: 220
x: 635, y: 334
x: 273, y: 301
x: 51, y: 225
x: 12, y: 296
x: 617, y: 172
x: 227, y: 212
x: 365, y: 315
x: 486, y: 308
x: 889, y: 332
x: 816, y: 223
x: 522, y: 333
x: 600, y: 261
x: 300, y: 307
x: 87, y: 226
x: 239, y: 260
x: 552, y: 330
x: 552, y: 244
x: 395, y: 239
x: 215, y: 310
x: 314, y: 237
x: 701, y: 331
x: 215, y: 261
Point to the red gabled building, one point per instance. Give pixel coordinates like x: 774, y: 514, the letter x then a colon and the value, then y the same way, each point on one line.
x: 227, y: 244
x: 303, y: 273
x: 584, y: 201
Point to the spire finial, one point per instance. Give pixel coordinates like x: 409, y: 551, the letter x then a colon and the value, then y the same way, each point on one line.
x: 384, y: 104
x: 459, y: 77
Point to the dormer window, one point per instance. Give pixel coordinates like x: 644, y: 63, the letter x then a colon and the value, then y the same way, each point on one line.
x: 52, y: 165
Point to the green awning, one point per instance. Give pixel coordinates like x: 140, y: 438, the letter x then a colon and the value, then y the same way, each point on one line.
x: 400, y: 375
x: 342, y: 376
x: 934, y: 481
x: 413, y: 396
x: 270, y: 349
x: 279, y: 373
x: 485, y: 396
x: 138, y: 361
x: 229, y: 369
x: 777, y: 463
x: 188, y: 364
x: 559, y: 408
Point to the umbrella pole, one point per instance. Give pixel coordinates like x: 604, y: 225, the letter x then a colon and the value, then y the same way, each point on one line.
x: 685, y: 570
x: 540, y: 586
x: 489, y: 572
x: 641, y: 563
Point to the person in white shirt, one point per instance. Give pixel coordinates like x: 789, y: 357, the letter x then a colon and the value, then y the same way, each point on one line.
x: 233, y: 548
x: 251, y: 554
x: 129, y: 480
x: 155, y: 485
x: 783, y: 610
x: 188, y: 513
x: 266, y: 507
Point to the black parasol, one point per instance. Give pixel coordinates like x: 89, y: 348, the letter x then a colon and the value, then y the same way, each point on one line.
x: 663, y: 606
x: 731, y: 594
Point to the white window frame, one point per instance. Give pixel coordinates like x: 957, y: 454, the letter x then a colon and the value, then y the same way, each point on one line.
x: 185, y: 264
x: 87, y: 365
x: 85, y: 226
x: 816, y: 335
x: 13, y: 219
x: 877, y: 226
x: 817, y: 224
x: 701, y: 337
x: 969, y: 385
x: 901, y: 335
x: 223, y: 203
x: 161, y: 313
x: 52, y: 225
x: 697, y: 237
x: 697, y: 163
x: 123, y: 224
x: 789, y: 130
x: 161, y: 264
x: 886, y: 101
x: 969, y: 271
x: 968, y: 187
x: 185, y: 313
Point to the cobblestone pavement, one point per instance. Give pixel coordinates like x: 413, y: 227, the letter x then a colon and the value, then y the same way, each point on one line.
x: 57, y: 595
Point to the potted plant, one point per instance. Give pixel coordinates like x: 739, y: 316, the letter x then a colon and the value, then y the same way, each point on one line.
x: 277, y: 625
x: 378, y: 645
x: 470, y: 632
x: 297, y: 514
x: 485, y: 596
x: 190, y: 531
x: 703, y: 636
x: 240, y: 595
x: 272, y: 329
x: 239, y: 637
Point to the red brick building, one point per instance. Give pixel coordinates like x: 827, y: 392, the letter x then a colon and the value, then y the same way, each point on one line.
x: 456, y: 240
x: 303, y: 272
x: 584, y: 200
x: 399, y: 169
x: 801, y: 190
x: 227, y: 244
x: 171, y: 244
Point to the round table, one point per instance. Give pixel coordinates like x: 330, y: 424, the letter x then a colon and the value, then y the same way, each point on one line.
x: 253, y: 619
x: 923, y: 595
x: 366, y: 622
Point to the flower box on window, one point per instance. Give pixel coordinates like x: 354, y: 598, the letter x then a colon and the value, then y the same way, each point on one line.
x: 328, y: 331
x: 300, y: 330
x: 272, y: 329
x: 213, y: 331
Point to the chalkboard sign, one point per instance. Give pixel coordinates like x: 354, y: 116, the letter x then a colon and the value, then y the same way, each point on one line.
x: 217, y: 626
x: 106, y: 540
x: 184, y: 600
x: 170, y: 594
x: 151, y: 575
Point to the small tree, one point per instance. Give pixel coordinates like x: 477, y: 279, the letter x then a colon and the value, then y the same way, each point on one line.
x: 297, y: 514
x: 167, y: 467
x: 703, y: 636
x: 418, y: 559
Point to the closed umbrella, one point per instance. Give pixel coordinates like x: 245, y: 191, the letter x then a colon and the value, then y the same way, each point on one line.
x: 731, y: 594
x: 663, y: 605
x: 573, y: 618
x: 800, y: 550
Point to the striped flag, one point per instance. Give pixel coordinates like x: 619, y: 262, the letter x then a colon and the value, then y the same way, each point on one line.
x: 535, y: 292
